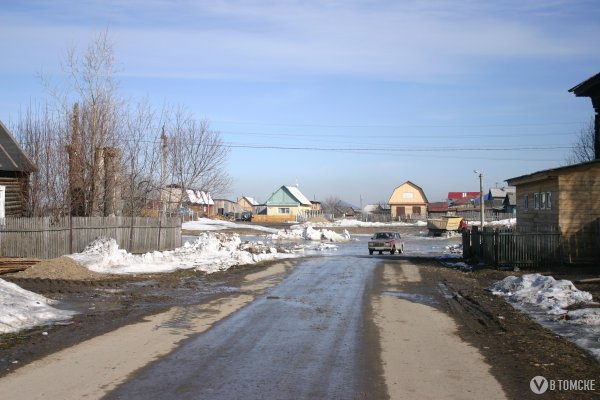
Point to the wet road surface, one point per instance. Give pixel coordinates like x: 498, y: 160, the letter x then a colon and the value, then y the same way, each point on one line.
x: 301, y: 339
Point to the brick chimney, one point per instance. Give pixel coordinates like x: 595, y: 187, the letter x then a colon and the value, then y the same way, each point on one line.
x: 591, y: 88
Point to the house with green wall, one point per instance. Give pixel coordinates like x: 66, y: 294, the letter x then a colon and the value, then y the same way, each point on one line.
x: 287, y: 200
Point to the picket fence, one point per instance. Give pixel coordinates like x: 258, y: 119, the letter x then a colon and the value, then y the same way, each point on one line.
x: 49, y: 237
x: 507, y: 247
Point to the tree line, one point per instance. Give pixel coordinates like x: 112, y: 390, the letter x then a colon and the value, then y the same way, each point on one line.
x: 100, y: 154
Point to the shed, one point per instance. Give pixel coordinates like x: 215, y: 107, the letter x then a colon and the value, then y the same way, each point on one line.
x: 15, y: 169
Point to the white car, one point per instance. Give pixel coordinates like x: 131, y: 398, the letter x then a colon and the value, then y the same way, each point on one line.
x: 386, y: 241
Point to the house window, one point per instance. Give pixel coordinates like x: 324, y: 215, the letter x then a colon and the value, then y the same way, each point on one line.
x: 548, y: 200
x: 536, y: 201
x: 526, y: 202
x: 416, y: 210
x: 407, y: 195
x: 542, y: 201
x: 283, y: 210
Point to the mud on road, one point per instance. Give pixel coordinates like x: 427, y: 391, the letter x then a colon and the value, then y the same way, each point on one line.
x: 109, y: 302
x: 516, y: 348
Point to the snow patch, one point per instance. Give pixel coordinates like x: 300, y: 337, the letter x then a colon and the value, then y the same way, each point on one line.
x: 22, y: 309
x: 300, y: 232
x: 541, y: 291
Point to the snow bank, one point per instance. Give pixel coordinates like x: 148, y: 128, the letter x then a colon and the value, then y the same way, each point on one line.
x: 300, y: 232
x: 207, y: 224
x: 211, y: 252
x: 503, y: 222
x: 22, y: 309
x: 542, y: 291
x: 353, y: 223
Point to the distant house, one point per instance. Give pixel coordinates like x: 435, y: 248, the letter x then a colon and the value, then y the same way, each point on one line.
x: 248, y: 203
x: 408, y: 201
x: 316, y: 205
x: 510, y: 203
x: 286, y: 203
x: 226, y: 207
x: 188, y: 200
x: 454, y: 196
x: 376, y: 209
x: 15, y: 169
x: 437, y: 209
x: 564, y: 200
x: 495, y: 197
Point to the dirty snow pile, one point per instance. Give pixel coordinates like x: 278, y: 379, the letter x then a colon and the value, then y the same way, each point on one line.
x: 542, y: 291
x: 556, y: 304
x: 22, y: 309
x: 208, y: 224
x: 210, y: 252
x: 307, y: 232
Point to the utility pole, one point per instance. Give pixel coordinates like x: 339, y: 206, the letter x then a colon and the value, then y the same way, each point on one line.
x: 163, y: 172
x: 482, y: 215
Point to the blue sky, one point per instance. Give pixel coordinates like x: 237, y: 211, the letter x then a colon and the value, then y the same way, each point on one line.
x: 345, y: 98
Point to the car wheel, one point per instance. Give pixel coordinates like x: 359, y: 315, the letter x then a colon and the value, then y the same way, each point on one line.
x: 392, y: 251
x: 381, y: 252
x: 371, y: 252
x: 401, y: 249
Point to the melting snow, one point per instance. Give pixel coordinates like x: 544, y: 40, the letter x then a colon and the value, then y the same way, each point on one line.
x: 300, y: 232
x: 22, y: 309
x: 547, y: 301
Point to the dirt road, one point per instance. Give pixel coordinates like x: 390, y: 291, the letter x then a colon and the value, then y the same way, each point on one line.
x: 325, y: 327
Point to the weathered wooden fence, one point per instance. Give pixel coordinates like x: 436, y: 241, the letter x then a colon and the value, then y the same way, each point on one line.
x: 52, y: 237
x: 504, y: 247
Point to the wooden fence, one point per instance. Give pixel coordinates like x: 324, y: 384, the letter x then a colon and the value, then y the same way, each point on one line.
x: 52, y: 237
x: 502, y: 247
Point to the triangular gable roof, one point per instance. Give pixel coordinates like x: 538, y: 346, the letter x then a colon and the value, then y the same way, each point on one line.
x: 12, y: 157
x: 200, y: 197
x: 298, y: 195
x: 251, y: 200
x: 500, y: 192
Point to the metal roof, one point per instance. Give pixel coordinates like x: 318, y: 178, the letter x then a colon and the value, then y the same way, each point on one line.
x: 12, y: 157
x: 298, y: 195
x: 589, y: 85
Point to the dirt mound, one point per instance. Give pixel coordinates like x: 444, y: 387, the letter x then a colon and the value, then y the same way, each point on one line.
x: 318, y: 219
x: 59, y: 268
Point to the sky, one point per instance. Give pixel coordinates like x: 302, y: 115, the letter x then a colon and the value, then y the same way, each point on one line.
x: 346, y: 99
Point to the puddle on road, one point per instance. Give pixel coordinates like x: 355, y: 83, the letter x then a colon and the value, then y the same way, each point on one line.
x: 414, y: 297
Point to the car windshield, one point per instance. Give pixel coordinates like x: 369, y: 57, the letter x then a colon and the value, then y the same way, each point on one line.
x: 383, y: 236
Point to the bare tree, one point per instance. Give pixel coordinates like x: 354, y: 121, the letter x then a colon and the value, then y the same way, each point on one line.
x: 330, y: 204
x: 40, y: 131
x: 583, y: 148
x: 196, y: 155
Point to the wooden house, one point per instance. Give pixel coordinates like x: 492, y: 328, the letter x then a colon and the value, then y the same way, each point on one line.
x: 284, y: 205
x: 437, y: 209
x: 408, y: 201
x: 495, y: 197
x: 227, y: 207
x: 189, y: 200
x: 15, y: 169
x: 248, y: 203
x: 564, y: 200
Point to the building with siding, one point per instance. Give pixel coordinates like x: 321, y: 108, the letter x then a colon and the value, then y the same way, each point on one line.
x: 563, y: 200
x: 287, y: 202
x: 15, y: 170
x: 408, y: 201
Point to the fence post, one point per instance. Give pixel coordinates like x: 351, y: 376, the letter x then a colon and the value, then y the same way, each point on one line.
x: 70, y: 234
x: 159, y: 231
x: 466, y: 241
x: 496, y: 247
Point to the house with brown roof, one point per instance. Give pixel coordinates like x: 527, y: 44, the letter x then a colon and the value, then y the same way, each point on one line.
x: 408, y: 201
